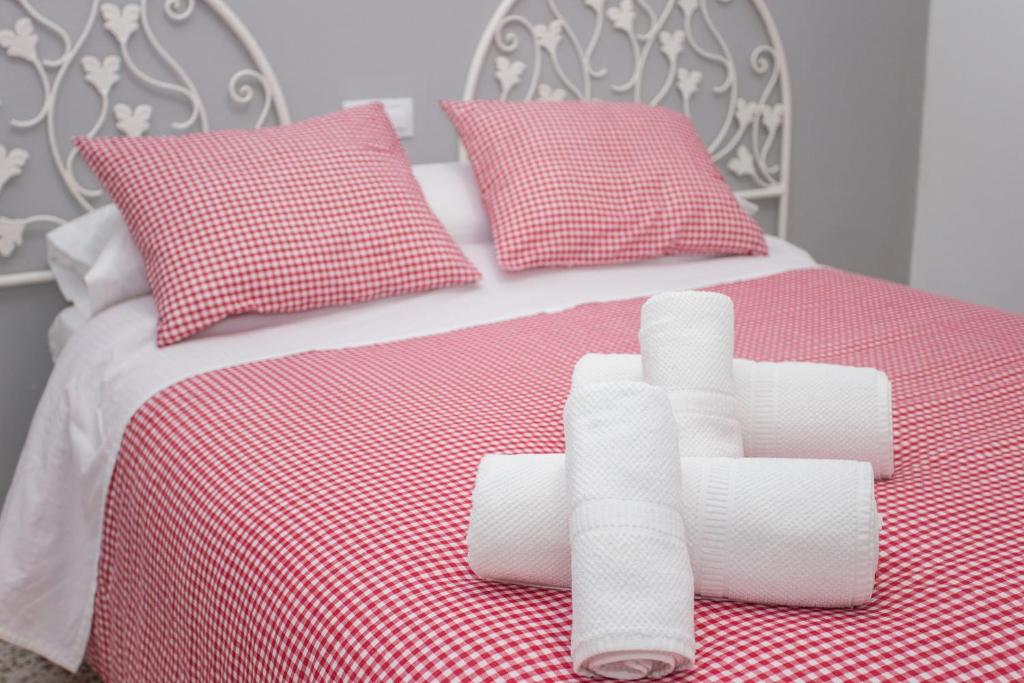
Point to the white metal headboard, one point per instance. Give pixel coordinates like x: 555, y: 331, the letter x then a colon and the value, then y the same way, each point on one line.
x: 127, y: 28
x: 672, y: 53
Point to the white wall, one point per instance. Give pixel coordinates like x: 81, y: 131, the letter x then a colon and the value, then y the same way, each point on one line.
x: 969, y: 233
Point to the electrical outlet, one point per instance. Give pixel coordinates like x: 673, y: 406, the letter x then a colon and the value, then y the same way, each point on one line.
x: 399, y: 110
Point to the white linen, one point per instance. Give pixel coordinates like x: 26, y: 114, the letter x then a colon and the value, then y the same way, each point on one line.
x: 118, y: 273
x: 67, y: 322
x: 686, y: 346
x: 450, y: 189
x: 73, y: 248
x: 749, y: 207
x: 632, y: 587
x: 95, y: 261
x: 800, y: 533
x: 791, y: 410
x: 52, y: 518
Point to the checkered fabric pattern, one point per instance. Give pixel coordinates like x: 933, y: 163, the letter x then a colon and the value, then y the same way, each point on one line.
x: 317, y: 213
x: 583, y: 183
x: 303, y: 518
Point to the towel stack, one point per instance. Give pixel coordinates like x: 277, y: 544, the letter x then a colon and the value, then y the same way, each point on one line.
x: 654, y: 500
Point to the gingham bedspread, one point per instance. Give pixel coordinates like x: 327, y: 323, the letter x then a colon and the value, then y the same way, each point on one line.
x: 303, y: 518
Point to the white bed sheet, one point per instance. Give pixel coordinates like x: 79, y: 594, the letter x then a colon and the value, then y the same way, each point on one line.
x: 67, y: 322
x: 50, y: 531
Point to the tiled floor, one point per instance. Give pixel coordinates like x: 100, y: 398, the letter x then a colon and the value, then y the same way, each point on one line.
x: 19, y: 666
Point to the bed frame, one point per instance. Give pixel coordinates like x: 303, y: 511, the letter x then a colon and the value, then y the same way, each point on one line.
x: 674, y: 53
x: 57, y: 54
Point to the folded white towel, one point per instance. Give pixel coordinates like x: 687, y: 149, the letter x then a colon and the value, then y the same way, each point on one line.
x: 632, y: 584
x: 802, y: 533
x: 792, y: 410
x: 686, y: 341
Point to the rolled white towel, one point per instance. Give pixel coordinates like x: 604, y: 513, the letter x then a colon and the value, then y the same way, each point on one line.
x: 812, y: 410
x: 608, y: 367
x: 686, y: 341
x: 792, y: 410
x: 802, y: 533
x: 632, y: 584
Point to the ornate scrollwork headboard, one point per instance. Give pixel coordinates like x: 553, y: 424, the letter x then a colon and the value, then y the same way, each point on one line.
x: 117, y: 51
x: 666, y: 52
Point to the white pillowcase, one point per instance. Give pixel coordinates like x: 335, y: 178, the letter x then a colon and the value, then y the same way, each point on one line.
x: 97, y: 264
x: 67, y: 322
x: 74, y: 247
x: 451, y: 192
x: 749, y: 207
x: 118, y: 274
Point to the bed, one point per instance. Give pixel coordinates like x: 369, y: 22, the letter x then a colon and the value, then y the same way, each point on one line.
x: 285, y: 497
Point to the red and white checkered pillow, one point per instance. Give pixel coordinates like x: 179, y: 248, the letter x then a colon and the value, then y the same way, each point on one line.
x: 581, y: 183
x: 317, y: 213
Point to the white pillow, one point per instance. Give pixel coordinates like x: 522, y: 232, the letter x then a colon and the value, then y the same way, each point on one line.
x: 749, y: 207
x: 451, y: 192
x: 95, y: 262
x: 73, y: 248
x: 67, y: 322
x: 118, y: 274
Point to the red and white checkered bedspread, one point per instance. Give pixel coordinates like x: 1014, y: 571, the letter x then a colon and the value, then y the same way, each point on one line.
x: 303, y: 518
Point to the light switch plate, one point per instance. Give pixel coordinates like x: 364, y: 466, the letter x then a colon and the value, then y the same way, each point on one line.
x: 399, y: 110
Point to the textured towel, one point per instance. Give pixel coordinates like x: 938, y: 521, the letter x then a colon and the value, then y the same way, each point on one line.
x: 812, y: 410
x: 792, y: 410
x: 686, y: 341
x: 802, y: 533
x: 632, y: 585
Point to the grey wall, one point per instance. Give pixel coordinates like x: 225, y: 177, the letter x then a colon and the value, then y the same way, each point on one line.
x: 971, y: 151
x: 25, y: 314
x: 858, y: 82
x: 857, y: 74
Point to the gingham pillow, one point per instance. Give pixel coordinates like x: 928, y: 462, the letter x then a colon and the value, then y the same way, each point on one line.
x: 581, y: 183
x: 317, y: 213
